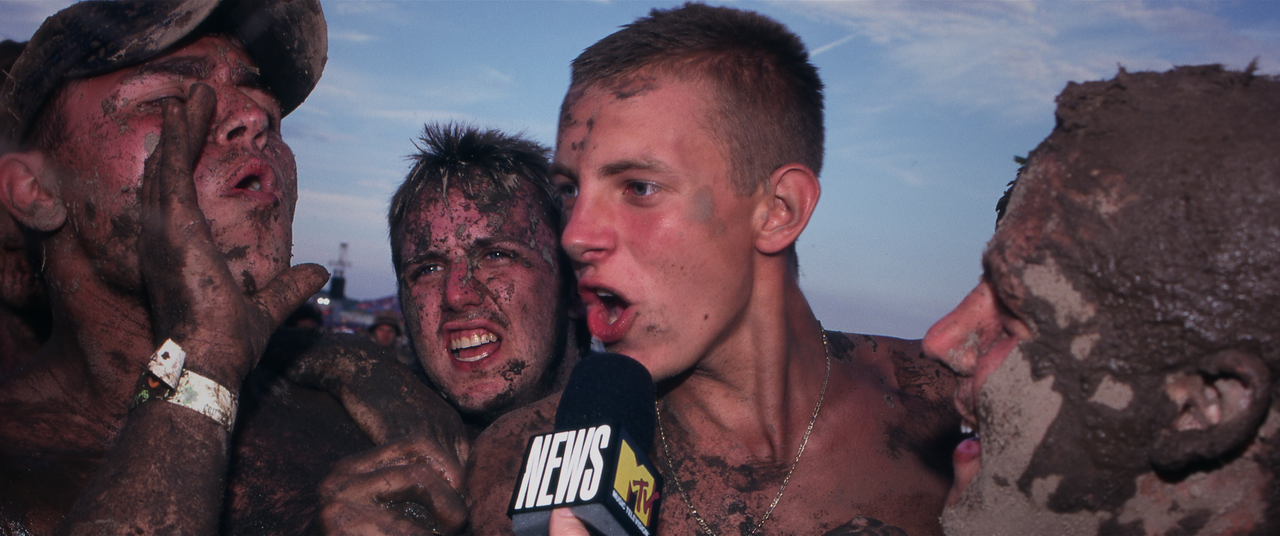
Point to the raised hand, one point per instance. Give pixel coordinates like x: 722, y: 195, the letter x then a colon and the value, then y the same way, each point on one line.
x: 194, y: 298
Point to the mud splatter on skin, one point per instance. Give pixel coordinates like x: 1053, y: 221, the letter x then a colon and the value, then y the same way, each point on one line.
x: 513, y: 369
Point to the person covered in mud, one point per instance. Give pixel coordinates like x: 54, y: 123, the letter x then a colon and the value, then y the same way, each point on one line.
x: 24, y: 310
x: 485, y: 289
x: 1119, y: 361
x: 152, y: 175
x: 687, y: 159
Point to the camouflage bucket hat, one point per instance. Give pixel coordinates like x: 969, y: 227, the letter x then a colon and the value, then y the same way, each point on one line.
x: 288, y: 39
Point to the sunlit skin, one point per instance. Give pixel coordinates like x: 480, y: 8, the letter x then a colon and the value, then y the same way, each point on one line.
x: 245, y: 177
x: 482, y: 300
x: 654, y: 223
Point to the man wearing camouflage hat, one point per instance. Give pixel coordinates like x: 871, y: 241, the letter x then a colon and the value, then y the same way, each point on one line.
x: 151, y: 176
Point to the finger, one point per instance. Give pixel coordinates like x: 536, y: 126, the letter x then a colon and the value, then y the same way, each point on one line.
x: 413, y: 450
x: 416, y: 483
x: 289, y: 290
x: 564, y: 523
x: 354, y: 519
x: 182, y: 138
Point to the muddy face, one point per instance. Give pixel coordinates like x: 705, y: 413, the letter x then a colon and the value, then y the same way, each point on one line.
x: 662, y: 243
x: 1138, y: 250
x: 483, y: 300
x: 245, y: 177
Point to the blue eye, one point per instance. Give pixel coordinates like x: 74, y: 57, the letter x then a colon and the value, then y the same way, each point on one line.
x: 567, y: 191
x: 642, y: 189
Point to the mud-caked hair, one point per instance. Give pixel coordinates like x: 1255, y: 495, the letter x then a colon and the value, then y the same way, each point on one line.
x: 768, y: 108
x: 1156, y: 199
x: 485, y: 166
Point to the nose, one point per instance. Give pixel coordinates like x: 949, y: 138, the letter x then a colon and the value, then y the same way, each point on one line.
x: 957, y: 338
x: 589, y: 234
x: 460, y: 291
x: 244, y: 120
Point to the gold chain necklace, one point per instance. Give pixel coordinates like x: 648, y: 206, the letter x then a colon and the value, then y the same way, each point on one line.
x: 666, y: 452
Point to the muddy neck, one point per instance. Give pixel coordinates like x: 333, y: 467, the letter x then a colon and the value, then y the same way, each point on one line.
x: 759, y: 386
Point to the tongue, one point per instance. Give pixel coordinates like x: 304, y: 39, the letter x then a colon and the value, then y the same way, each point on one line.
x: 603, y: 324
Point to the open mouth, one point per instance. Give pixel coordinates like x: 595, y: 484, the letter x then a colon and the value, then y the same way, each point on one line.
x: 473, y: 345
x: 966, y: 460
x: 254, y: 179
x: 608, y: 315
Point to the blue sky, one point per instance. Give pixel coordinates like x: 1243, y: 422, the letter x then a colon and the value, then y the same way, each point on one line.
x: 927, y: 103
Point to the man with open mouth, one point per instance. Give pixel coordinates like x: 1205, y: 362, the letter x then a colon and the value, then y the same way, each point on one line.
x: 1118, y: 361
x: 687, y: 159
x: 150, y: 175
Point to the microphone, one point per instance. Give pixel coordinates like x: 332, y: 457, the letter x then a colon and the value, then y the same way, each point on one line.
x: 596, y: 461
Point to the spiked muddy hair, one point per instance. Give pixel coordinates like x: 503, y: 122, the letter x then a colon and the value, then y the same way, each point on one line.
x: 767, y: 109
x: 482, y: 165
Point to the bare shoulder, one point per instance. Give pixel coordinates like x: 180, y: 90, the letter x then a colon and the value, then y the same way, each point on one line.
x: 495, y: 461
x: 900, y: 360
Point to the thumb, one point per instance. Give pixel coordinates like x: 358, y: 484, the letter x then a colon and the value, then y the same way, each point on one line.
x: 564, y: 523
x: 289, y: 290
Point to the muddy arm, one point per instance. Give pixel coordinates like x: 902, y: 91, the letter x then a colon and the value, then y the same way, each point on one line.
x: 383, y: 396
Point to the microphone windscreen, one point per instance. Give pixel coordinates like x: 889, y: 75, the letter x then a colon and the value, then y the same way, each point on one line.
x: 607, y: 387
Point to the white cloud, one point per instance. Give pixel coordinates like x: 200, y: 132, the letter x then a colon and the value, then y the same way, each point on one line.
x: 348, y: 35
x: 1015, y: 56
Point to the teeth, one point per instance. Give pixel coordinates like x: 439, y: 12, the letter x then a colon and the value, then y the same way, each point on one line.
x: 966, y: 429
x: 605, y: 294
x: 472, y: 359
x: 253, y: 184
x: 462, y: 343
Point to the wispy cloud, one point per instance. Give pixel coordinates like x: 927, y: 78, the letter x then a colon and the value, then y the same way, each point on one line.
x: 1016, y: 55
x: 349, y: 35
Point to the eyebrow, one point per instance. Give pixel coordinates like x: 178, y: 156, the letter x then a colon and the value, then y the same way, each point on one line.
x: 195, y: 67
x: 200, y: 68
x: 623, y: 166
x: 560, y: 169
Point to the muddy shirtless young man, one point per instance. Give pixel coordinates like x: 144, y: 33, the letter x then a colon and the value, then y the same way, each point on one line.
x: 486, y: 288
x: 1120, y: 360
x: 687, y: 158
x: 151, y: 174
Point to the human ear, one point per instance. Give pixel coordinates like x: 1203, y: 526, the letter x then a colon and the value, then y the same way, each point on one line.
x: 787, y: 207
x: 26, y: 196
x: 1220, y: 408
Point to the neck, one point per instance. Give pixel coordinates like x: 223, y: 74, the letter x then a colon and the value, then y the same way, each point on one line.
x: 760, y: 385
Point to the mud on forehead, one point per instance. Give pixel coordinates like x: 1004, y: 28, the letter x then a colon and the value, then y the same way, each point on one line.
x: 1161, y: 191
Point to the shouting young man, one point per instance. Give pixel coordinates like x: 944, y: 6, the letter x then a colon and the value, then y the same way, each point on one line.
x: 486, y: 290
x: 687, y: 160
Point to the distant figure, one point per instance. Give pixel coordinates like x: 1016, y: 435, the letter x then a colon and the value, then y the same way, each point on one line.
x: 385, y: 329
x: 305, y: 317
